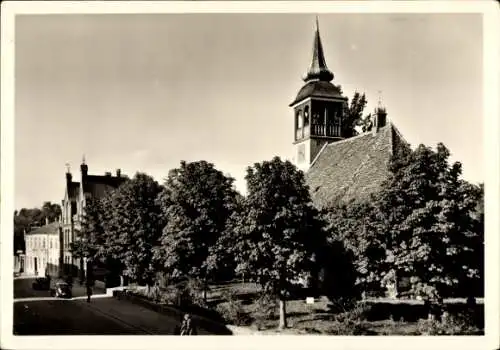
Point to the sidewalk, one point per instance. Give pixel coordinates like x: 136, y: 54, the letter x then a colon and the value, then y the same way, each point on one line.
x: 24, y: 288
x: 140, y: 317
x: 79, y: 290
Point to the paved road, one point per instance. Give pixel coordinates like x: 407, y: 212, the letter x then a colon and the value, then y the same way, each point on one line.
x: 35, y: 313
x: 66, y: 317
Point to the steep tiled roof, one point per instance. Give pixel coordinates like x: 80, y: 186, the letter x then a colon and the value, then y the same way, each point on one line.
x: 97, y: 185
x: 51, y: 229
x: 353, y: 168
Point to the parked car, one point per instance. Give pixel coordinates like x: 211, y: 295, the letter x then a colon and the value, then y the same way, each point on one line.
x: 62, y: 290
x: 41, y: 283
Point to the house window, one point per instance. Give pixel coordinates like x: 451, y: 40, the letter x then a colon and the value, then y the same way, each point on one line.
x: 43, y: 243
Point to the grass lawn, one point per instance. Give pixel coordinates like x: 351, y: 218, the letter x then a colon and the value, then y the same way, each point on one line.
x: 306, y: 318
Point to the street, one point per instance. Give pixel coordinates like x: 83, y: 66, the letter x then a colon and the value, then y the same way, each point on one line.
x: 23, y: 289
x: 36, y: 313
x: 50, y: 316
x: 65, y: 317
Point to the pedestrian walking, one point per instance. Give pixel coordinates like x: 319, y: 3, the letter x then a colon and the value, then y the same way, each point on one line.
x: 187, y: 327
x: 89, y: 292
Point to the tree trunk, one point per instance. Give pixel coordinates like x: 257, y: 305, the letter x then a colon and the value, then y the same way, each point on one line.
x: 205, y: 285
x: 396, y: 284
x: 283, y: 323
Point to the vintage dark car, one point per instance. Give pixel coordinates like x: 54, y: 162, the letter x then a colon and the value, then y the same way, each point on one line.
x: 62, y: 290
x: 41, y: 283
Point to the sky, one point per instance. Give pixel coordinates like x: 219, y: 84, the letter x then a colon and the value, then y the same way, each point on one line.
x: 143, y: 92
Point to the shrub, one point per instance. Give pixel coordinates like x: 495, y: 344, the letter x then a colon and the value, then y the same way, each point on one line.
x: 351, y: 322
x: 342, y: 304
x: 153, y: 293
x: 451, y: 325
x: 232, y: 310
x: 266, y: 309
x: 183, y: 294
x: 162, y: 280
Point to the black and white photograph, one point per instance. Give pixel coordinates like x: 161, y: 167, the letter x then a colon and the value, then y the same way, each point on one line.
x: 246, y: 169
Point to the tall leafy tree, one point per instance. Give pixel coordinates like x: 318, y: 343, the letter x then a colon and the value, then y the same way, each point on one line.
x: 278, y: 231
x: 132, y: 226
x: 354, y: 117
x: 90, y: 242
x: 354, y: 227
x: 426, y: 213
x: 221, y: 258
x: 196, y: 202
x: 51, y: 211
x: 27, y: 218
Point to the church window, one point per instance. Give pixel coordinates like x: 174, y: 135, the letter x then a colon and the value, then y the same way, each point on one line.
x: 306, y: 116
x: 299, y: 120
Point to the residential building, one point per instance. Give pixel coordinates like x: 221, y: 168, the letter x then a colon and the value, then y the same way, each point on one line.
x: 73, y: 206
x: 43, y: 250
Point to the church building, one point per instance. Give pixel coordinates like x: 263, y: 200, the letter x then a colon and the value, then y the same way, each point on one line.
x: 338, y: 168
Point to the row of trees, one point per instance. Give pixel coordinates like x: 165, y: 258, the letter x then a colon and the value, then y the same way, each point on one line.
x: 426, y: 224
x: 196, y: 225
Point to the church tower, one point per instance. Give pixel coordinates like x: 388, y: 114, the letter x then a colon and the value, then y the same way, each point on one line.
x: 319, y: 109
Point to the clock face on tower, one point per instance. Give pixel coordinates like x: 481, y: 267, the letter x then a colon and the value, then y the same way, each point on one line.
x: 301, y: 154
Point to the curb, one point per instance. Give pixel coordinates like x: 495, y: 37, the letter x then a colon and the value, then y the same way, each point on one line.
x: 95, y: 296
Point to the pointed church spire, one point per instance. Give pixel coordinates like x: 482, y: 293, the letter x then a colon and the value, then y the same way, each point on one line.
x: 318, y: 69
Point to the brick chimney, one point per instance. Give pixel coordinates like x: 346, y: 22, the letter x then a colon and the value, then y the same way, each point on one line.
x: 69, y: 178
x: 118, y: 173
x: 84, y: 168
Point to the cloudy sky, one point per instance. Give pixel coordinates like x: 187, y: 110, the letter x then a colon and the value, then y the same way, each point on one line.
x: 142, y: 92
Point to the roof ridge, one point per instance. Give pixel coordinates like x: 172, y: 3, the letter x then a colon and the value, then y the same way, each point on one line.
x: 366, y: 133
